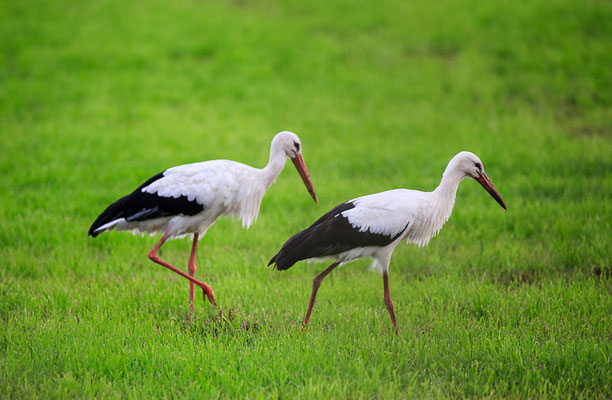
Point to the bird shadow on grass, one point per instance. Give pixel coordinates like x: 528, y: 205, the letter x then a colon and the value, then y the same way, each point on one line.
x: 509, y: 278
x: 222, y: 323
x: 233, y: 323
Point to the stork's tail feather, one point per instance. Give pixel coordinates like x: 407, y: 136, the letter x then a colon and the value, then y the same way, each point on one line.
x: 293, y: 250
x: 104, y: 221
x: 272, y: 260
x: 281, y: 263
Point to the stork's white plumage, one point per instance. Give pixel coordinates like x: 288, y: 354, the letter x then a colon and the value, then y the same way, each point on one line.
x: 188, y: 199
x: 372, y: 226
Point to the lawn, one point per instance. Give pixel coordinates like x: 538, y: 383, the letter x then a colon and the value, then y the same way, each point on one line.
x: 97, y: 96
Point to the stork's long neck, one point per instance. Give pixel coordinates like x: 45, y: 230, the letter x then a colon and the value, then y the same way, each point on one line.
x: 444, y: 195
x: 275, y: 165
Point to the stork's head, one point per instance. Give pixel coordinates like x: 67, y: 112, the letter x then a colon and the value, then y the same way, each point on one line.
x: 289, y: 143
x: 468, y: 165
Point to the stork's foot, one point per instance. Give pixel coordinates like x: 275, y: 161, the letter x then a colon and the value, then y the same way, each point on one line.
x: 208, y: 293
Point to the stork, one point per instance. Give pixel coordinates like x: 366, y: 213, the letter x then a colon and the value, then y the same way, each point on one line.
x: 189, y: 198
x: 373, y: 225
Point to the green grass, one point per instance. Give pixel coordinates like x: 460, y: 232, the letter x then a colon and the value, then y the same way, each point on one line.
x: 97, y: 96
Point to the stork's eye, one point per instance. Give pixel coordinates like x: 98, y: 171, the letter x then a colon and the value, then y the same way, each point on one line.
x: 478, y: 165
x: 297, y: 146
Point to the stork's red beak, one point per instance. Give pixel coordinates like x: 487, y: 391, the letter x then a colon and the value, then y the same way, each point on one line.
x: 300, y: 165
x: 486, y: 183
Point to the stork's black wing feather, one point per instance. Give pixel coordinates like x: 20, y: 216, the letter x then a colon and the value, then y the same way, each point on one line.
x: 330, y: 235
x: 141, y: 206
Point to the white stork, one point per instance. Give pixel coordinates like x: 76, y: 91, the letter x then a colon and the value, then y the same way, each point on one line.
x: 188, y: 199
x: 372, y: 226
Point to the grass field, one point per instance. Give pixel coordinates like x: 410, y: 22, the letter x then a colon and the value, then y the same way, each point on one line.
x: 97, y: 96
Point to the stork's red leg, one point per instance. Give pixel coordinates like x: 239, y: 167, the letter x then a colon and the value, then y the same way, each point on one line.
x: 192, y: 269
x: 316, y: 282
x: 208, y: 292
x: 388, y: 301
